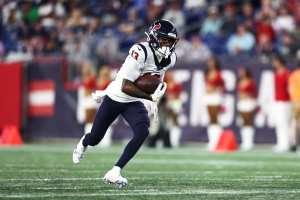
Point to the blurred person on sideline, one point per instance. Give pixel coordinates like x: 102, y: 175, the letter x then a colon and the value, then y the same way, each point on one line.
x: 246, y: 106
x: 103, y: 80
x: 174, y: 103
x: 213, y: 100
x: 86, y: 105
x: 282, y: 106
x: 161, y: 129
x: 294, y: 91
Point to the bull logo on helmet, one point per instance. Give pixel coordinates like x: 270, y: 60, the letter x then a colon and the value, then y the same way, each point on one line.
x: 156, y: 26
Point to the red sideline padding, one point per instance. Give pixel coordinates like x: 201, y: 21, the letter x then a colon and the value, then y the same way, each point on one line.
x: 11, y: 94
x: 227, y: 142
x: 10, y: 136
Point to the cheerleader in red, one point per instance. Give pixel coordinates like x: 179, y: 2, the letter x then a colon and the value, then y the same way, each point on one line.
x: 87, y: 107
x: 174, y: 103
x: 104, y: 78
x: 246, y: 106
x: 213, y: 100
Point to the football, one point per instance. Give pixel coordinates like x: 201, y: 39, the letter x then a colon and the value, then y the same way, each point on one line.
x: 148, y: 83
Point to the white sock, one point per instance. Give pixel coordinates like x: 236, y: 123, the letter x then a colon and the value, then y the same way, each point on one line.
x: 247, y: 136
x: 214, y: 132
x: 88, y: 127
x: 116, y: 169
x: 175, y: 135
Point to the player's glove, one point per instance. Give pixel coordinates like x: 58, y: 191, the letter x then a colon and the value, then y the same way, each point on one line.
x: 98, y: 95
x: 151, y: 107
x: 155, y: 112
x: 159, y: 92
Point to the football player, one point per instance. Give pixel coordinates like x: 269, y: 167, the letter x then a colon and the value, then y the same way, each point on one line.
x: 123, y: 97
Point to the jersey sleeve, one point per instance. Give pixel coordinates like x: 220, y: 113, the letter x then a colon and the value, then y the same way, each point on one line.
x: 134, y: 63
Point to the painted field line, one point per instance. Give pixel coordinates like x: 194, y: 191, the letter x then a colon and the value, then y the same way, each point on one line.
x: 154, y: 193
x: 200, y: 151
x: 250, y: 178
x: 50, y: 179
x: 200, y: 172
x: 215, y: 163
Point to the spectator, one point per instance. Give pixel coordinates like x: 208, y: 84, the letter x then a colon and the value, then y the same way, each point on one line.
x: 77, y: 51
x: 266, y: 10
x: 155, y: 10
x: 76, y: 20
x: 107, y: 47
x: 247, y: 16
x: 246, y: 106
x: 294, y: 7
x: 193, y: 51
x: 175, y: 14
x: 241, y: 41
x: 192, y: 4
x: 54, y: 43
x: 213, y: 23
x: 230, y: 19
x: 265, y: 36
x: 284, y: 21
x: 129, y: 29
x: 288, y: 45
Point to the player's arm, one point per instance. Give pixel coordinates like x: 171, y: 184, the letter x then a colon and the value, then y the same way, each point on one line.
x: 131, y: 71
x: 131, y: 89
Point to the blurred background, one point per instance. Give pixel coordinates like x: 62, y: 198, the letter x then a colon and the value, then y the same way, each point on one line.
x: 231, y: 87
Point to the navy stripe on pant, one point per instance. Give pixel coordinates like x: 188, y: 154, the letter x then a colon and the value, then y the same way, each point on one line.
x: 134, y: 113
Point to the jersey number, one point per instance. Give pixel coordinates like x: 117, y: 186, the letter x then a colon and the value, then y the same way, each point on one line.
x: 135, y: 55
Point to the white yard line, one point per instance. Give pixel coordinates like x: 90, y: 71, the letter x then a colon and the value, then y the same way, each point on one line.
x: 252, y: 178
x: 215, y: 163
x: 154, y: 193
x: 190, y: 151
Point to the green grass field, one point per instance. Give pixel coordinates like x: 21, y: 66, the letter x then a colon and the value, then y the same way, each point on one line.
x: 46, y: 172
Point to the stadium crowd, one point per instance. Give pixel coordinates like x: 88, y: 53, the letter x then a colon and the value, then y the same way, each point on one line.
x: 101, y: 31
x: 93, y: 34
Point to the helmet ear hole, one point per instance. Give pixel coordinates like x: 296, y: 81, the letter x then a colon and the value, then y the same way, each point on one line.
x: 154, y: 42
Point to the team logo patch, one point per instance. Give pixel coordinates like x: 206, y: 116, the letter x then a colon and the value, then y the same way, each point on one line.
x: 156, y: 26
